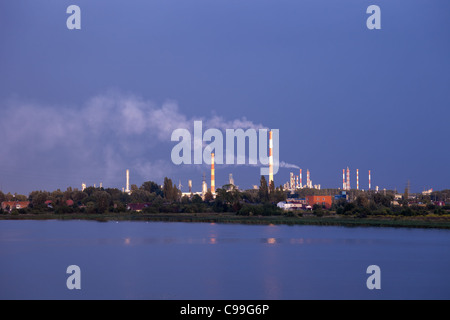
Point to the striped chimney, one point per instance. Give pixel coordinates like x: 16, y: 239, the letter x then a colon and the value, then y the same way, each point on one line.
x: 213, y: 178
x: 357, y: 179
x: 270, y: 157
x: 348, y: 178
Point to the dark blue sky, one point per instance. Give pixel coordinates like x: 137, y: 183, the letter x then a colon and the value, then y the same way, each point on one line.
x: 85, y: 105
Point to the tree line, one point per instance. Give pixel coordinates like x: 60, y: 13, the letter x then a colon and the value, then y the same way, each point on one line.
x: 261, y: 201
x: 164, y: 199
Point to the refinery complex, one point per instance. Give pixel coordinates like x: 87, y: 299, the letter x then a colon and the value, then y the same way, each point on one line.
x: 292, y: 187
x: 294, y: 183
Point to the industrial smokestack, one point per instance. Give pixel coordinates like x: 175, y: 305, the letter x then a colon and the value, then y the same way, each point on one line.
x: 308, y: 182
x: 357, y: 179
x: 270, y: 157
x: 204, y: 186
x: 230, y: 179
x: 190, y: 186
x: 348, y: 178
x: 301, y: 186
x: 344, y: 187
x: 369, y: 179
x: 213, y: 179
x: 127, y: 186
x: 291, y: 177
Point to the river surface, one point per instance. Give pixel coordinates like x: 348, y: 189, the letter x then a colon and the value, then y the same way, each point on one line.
x: 159, y: 260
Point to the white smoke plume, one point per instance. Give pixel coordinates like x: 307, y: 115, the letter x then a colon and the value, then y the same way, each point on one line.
x: 96, y: 140
x: 288, y: 165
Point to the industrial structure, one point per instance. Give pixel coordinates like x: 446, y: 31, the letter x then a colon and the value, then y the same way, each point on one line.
x: 270, y: 158
x: 213, y: 178
x: 348, y: 179
x: 306, y: 203
x: 357, y: 179
x: 127, y: 186
x: 230, y: 179
x: 204, y: 186
x: 296, y: 181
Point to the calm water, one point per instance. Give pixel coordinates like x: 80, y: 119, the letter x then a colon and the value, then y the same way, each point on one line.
x: 153, y: 260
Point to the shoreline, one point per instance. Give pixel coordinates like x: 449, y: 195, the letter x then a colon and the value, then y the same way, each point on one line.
x: 425, y: 222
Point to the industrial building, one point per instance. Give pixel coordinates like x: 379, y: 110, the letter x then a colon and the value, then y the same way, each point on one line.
x: 306, y: 203
x: 296, y: 182
x: 324, y: 201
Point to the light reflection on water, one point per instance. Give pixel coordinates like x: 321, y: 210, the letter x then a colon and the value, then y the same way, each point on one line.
x: 140, y: 260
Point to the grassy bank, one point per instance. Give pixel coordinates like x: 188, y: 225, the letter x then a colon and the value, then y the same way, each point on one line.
x: 429, y: 221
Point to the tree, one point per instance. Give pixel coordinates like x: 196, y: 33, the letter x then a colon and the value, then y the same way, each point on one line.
x: 20, y: 197
x: 168, y: 189
x: 405, y: 201
x: 176, y: 193
x: 114, y: 193
x: 384, y: 200
x: 250, y: 195
x: 362, y: 201
x: 196, y: 199
x: 263, y: 190
x: 223, y: 195
x: 152, y: 187
x: 141, y: 196
x: 209, y: 196
x: 278, y: 195
x: 271, y: 187
x: 102, y: 199
x: 78, y: 196
x: 38, y: 198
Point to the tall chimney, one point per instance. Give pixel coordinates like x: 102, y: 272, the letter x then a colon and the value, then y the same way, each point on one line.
x: 190, y: 186
x: 348, y: 178
x: 344, y: 187
x: 369, y: 179
x: 291, y: 176
x: 357, y: 179
x: 301, y: 186
x: 213, y: 179
x: 204, y: 186
x: 308, y: 182
x: 270, y: 157
x: 127, y: 187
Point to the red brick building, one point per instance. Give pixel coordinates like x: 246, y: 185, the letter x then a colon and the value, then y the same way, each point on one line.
x: 320, y: 200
